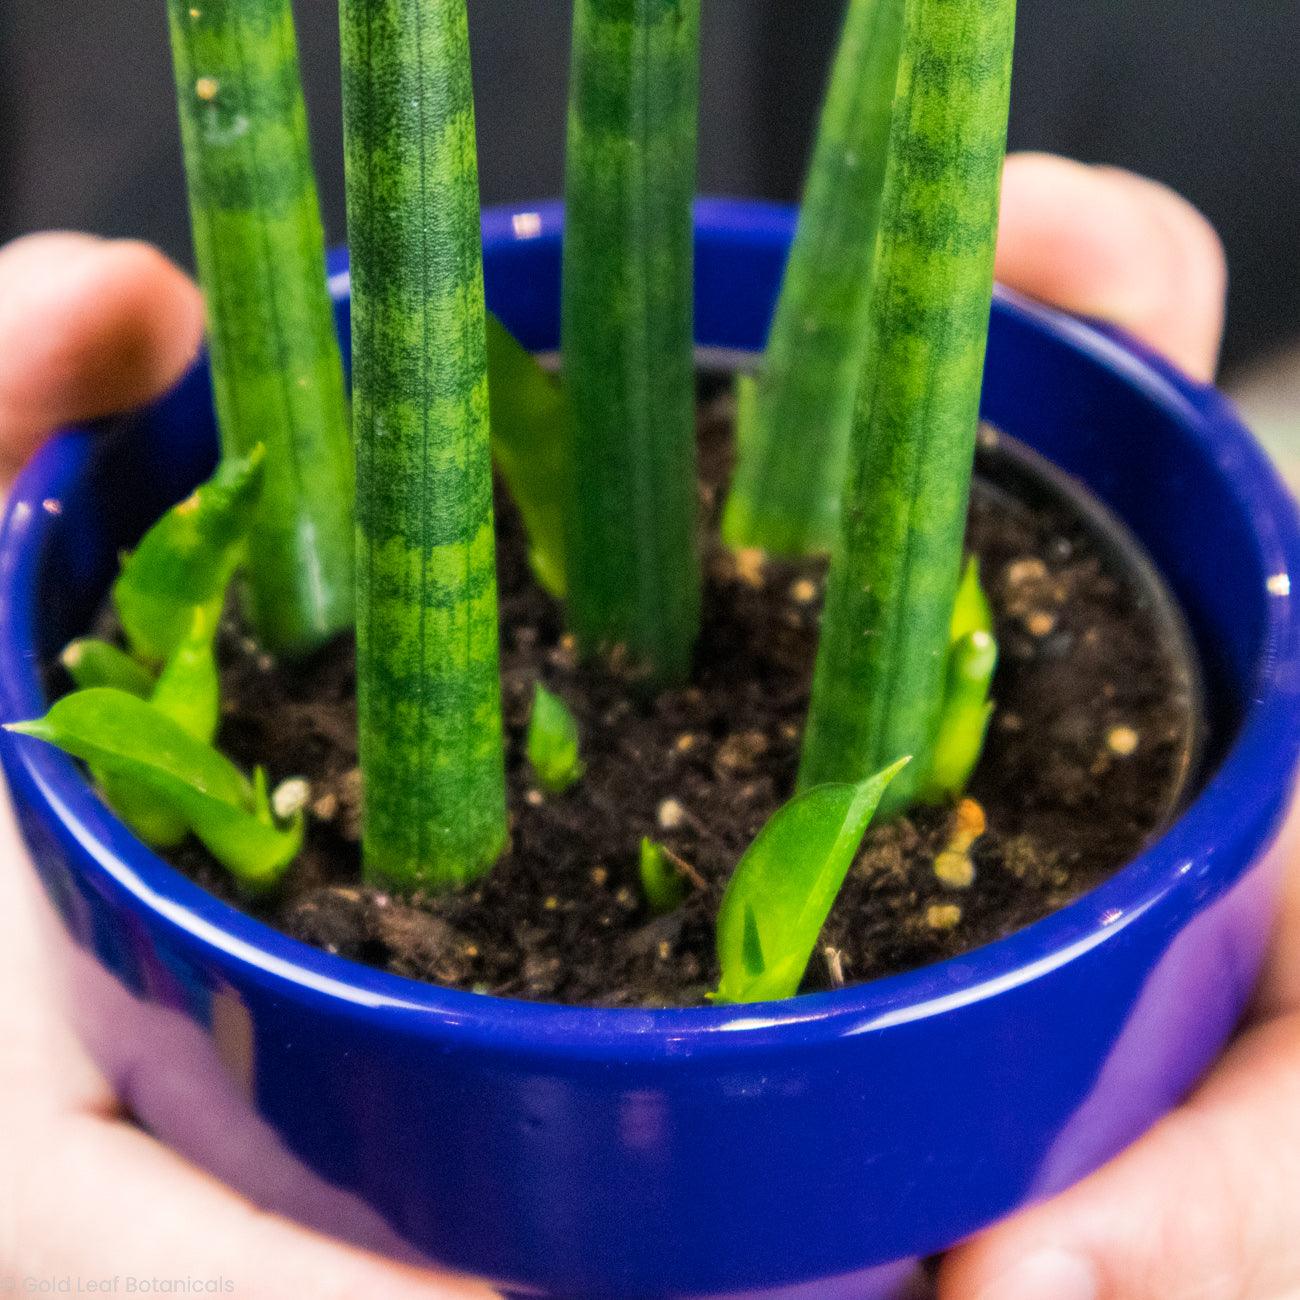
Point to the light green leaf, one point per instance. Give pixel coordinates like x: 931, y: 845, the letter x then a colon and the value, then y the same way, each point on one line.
x: 971, y: 612
x: 552, y: 743
x: 964, y: 723
x: 661, y: 882
x: 133, y: 745
x: 189, y: 690
x: 530, y: 443
x: 90, y: 662
x: 188, y: 558
x: 784, y: 888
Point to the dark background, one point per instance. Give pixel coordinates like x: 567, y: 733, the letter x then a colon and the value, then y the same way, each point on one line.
x: 1205, y: 96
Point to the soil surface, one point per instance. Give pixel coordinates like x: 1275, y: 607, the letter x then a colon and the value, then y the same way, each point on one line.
x: 1074, y: 779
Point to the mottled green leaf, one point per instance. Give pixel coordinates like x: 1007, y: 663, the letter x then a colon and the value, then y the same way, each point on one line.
x: 90, y: 662
x: 661, y: 882
x: 187, y: 559
x: 783, y: 890
x: 552, y: 743
x: 136, y: 746
x: 530, y: 444
x: 627, y: 331
x: 878, y: 687
x: 259, y: 245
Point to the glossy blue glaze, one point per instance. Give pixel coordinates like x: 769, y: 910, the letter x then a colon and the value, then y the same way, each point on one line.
x: 824, y: 1141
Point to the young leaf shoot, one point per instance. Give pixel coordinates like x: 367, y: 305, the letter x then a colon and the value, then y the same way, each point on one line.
x: 137, y: 746
x: 964, y: 720
x: 277, y: 373
x: 785, y: 886
x: 793, y: 439
x: 90, y: 662
x: 187, y: 559
x: 188, y: 690
x: 967, y: 708
x: 531, y: 424
x: 428, y: 685
x: 879, y: 683
x: 661, y: 882
x: 628, y: 330
x: 552, y: 743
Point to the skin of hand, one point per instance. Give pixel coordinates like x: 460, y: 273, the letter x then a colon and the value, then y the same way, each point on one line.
x: 1202, y: 1207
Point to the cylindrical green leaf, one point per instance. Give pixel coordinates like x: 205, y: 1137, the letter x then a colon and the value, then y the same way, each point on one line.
x: 785, y: 495
x: 879, y: 683
x: 275, y: 357
x: 429, y: 695
x: 628, y: 327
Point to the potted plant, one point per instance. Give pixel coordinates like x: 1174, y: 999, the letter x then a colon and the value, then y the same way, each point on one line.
x: 602, y: 837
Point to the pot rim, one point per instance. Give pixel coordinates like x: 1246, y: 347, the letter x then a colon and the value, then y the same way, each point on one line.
x: 1237, y: 795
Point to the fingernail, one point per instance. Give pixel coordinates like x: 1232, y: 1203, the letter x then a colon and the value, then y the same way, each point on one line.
x: 1048, y: 1275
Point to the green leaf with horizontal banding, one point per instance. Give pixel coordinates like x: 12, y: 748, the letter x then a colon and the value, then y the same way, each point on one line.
x: 879, y: 683
x: 793, y: 446
x: 429, y: 695
x: 276, y: 367
x: 628, y: 329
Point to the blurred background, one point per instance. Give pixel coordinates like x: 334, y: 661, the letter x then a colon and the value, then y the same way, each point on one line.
x: 1205, y: 97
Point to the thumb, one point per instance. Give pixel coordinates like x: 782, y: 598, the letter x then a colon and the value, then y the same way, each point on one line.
x: 87, y: 327
x: 1204, y: 1206
x: 1104, y: 242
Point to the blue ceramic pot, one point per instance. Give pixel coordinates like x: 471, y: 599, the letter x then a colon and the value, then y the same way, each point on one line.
x: 820, y: 1143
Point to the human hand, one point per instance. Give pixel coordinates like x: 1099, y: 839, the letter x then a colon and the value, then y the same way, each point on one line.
x: 88, y: 328
x: 1206, y: 1205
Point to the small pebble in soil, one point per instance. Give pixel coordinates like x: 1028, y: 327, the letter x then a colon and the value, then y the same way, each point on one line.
x: 1122, y: 741
x: 290, y: 797
x: 671, y: 815
x: 943, y: 916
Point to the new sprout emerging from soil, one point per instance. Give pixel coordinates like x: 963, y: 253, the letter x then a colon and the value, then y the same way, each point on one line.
x: 661, y: 882
x: 967, y: 708
x: 428, y: 684
x: 793, y: 428
x: 882, y: 664
x: 784, y: 887
x: 628, y: 330
x: 552, y: 743
x: 277, y: 373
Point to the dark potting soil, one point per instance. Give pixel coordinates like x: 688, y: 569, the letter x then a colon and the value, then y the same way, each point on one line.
x: 1074, y: 780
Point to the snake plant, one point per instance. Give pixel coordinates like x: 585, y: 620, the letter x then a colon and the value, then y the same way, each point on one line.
x: 276, y: 369
x: 793, y: 443
x: 628, y: 329
x: 879, y: 684
x: 429, y: 694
